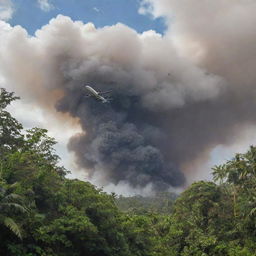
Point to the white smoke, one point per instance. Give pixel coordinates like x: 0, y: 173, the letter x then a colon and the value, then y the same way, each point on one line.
x: 221, y: 32
x: 220, y: 36
x: 166, y: 79
x: 199, y: 76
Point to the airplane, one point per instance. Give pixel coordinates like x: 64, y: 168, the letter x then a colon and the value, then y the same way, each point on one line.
x: 97, y: 95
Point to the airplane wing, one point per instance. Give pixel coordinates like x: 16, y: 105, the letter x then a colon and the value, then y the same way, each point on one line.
x: 105, y: 92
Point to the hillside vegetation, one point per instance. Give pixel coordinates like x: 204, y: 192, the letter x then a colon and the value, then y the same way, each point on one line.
x: 160, y: 203
x: 43, y: 213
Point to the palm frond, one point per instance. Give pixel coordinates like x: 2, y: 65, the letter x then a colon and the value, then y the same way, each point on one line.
x: 252, y: 212
x: 14, y: 205
x: 12, y: 197
x: 13, y: 226
x: 13, y: 185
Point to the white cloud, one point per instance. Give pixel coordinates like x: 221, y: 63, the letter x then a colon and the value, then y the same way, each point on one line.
x: 45, y: 5
x: 6, y: 9
x: 96, y: 9
x: 146, y: 8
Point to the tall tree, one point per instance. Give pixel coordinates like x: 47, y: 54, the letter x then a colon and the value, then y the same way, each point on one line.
x: 10, y: 129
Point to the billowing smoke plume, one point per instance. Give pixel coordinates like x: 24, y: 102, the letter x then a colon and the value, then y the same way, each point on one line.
x: 174, y: 97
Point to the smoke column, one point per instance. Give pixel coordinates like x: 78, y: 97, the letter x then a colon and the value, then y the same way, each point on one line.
x: 174, y: 97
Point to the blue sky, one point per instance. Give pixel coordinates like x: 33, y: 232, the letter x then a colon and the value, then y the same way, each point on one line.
x: 29, y: 15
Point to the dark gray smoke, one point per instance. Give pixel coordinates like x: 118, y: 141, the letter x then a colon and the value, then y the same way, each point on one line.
x: 166, y: 113
x: 123, y: 139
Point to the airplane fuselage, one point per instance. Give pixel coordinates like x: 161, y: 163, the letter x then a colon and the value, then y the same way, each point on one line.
x: 95, y: 94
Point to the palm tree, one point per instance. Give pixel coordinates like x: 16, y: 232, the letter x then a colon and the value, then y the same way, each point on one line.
x: 10, y: 202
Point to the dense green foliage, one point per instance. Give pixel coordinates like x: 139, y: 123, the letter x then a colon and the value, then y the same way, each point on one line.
x: 160, y: 203
x: 42, y: 213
